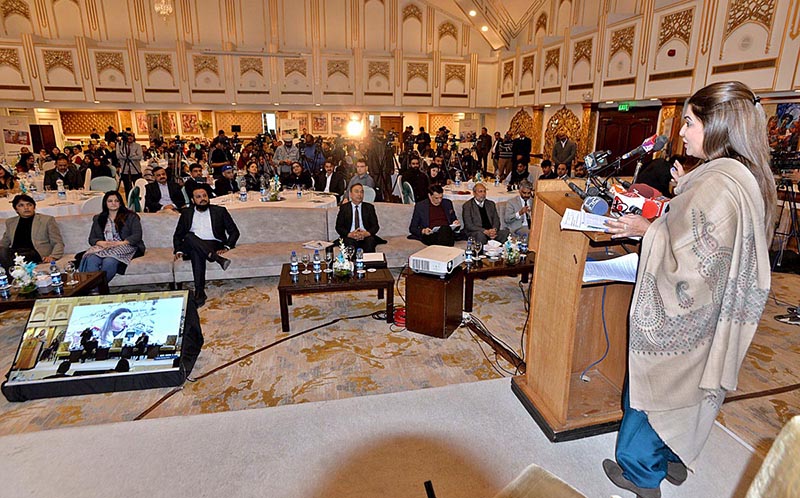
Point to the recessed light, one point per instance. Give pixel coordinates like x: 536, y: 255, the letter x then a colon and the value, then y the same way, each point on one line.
x: 96, y: 101
x: 46, y: 101
x: 317, y: 105
x: 233, y: 103
x: 609, y: 101
x: 484, y: 28
x: 797, y: 91
x: 276, y: 103
x: 547, y: 105
x: 654, y: 98
x: 472, y: 13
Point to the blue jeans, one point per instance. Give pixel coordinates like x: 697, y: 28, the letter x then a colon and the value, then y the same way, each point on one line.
x: 640, y: 452
x: 92, y: 262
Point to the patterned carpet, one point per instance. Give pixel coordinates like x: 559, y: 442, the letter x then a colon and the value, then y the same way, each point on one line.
x: 365, y: 356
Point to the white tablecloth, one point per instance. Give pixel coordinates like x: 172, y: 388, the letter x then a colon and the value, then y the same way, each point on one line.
x: 289, y: 199
x: 48, y: 203
x: 496, y: 194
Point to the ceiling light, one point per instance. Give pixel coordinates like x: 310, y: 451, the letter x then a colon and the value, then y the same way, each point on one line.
x: 609, y: 101
x: 654, y: 98
x: 96, y: 101
x: 233, y: 103
x: 163, y: 8
x: 317, y: 105
x: 46, y: 101
x: 472, y: 13
x: 547, y: 105
x: 355, y: 128
x: 484, y: 28
x: 276, y: 103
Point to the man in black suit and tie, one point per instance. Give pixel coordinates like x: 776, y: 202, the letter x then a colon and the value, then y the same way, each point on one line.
x: 162, y: 195
x: 64, y: 172
x: 204, y: 233
x: 357, y: 223
x: 330, y: 181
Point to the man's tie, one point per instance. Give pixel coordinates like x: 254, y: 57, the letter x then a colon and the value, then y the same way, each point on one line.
x: 528, y: 215
x: 357, y: 223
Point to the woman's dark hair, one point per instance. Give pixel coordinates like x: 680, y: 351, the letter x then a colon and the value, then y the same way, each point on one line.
x: 110, y: 320
x: 122, y: 214
x: 7, y: 179
x: 22, y: 197
x: 23, y: 160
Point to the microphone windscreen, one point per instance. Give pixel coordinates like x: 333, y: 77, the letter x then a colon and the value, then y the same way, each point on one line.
x: 644, y: 190
x: 649, y: 209
x: 595, y: 205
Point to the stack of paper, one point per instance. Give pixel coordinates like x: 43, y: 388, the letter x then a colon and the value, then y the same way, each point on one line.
x: 583, y: 221
x: 621, y: 269
x: 317, y: 244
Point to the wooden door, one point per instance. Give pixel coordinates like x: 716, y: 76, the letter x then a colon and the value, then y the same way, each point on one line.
x: 43, y: 136
x: 621, y: 132
x: 392, y: 123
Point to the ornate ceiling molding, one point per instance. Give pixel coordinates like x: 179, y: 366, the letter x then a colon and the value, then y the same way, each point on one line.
x: 412, y: 11
x: 375, y: 68
x: 622, y: 41
x: 58, y: 58
x: 295, y: 66
x: 743, y: 11
x: 552, y: 58
x: 676, y: 25
x: 583, y: 50
x: 341, y: 66
x: 417, y: 70
x: 527, y: 64
x: 455, y: 72
x: 508, y: 70
x: 18, y: 7
x: 205, y: 63
x: 158, y: 61
x: 10, y: 57
x: 255, y: 64
x: 448, y: 29
x: 109, y: 60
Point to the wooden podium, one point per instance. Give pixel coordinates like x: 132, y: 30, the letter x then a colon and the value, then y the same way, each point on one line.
x: 565, y: 331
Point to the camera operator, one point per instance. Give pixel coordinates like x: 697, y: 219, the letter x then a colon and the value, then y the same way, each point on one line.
x: 311, y: 154
x: 220, y: 138
x: 129, y: 156
x: 220, y: 157
x: 482, y: 148
x: 284, y: 156
x: 407, y: 139
x: 423, y: 140
x: 441, y: 137
x: 469, y: 165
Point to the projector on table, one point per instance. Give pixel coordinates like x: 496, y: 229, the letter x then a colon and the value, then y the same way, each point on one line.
x: 436, y: 260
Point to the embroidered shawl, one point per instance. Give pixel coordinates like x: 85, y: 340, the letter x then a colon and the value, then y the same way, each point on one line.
x: 701, y: 287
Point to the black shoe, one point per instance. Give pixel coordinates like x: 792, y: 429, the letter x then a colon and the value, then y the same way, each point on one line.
x: 200, y: 298
x: 224, y: 263
x: 676, y: 473
x: 614, y: 473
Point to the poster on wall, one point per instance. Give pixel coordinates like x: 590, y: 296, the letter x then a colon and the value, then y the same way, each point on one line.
x: 338, y: 122
x: 170, y: 122
x: 290, y: 129
x: 141, y: 123
x: 468, y: 130
x: 302, y: 120
x: 189, y: 123
x: 16, y: 135
x: 319, y: 122
x: 783, y: 128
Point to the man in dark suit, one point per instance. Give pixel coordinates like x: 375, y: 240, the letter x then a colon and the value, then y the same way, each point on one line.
x: 417, y: 179
x: 162, y: 194
x: 227, y: 184
x: 434, y: 221
x: 564, y: 150
x: 34, y: 236
x: 481, y: 221
x: 195, y: 180
x: 330, y: 181
x: 64, y: 172
x: 204, y: 233
x: 482, y: 147
x: 521, y: 149
x: 357, y: 223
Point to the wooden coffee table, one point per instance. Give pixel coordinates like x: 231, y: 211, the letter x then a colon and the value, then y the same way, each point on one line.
x: 487, y: 268
x: 86, y: 282
x: 380, y: 279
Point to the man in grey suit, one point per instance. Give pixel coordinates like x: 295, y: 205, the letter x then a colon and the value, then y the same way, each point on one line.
x: 34, y: 236
x: 518, y: 211
x: 481, y: 221
x: 564, y: 150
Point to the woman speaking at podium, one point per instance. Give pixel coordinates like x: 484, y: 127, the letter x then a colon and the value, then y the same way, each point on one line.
x: 701, y: 287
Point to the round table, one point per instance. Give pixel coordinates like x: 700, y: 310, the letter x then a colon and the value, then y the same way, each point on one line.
x: 309, y: 200
x: 77, y: 202
x: 464, y: 192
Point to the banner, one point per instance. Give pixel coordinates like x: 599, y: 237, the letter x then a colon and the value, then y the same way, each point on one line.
x: 467, y: 130
x: 16, y: 135
x: 290, y: 129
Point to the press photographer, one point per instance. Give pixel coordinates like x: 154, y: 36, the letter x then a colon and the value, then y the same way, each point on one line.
x: 129, y: 156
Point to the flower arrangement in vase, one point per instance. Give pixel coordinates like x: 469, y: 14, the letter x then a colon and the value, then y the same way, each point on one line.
x: 342, y: 266
x: 511, y: 251
x: 23, y: 275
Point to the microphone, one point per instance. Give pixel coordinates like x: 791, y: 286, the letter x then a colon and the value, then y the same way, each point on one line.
x: 595, y: 205
x: 581, y: 193
x: 596, y: 160
x: 651, y: 144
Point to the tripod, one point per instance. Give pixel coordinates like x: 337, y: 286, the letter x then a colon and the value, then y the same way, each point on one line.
x: 792, y: 231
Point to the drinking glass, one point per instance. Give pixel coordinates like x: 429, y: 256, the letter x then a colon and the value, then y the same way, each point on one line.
x: 477, y: 246
x: 305, y: 259
x: 70, y: 269
x: 328, y: 262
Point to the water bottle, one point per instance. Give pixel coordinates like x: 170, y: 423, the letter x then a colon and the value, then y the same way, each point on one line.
x: 55, y: 274
x: 3, y: 278
x: 243, y: 193
x: 263, y: 191
x: 316, y: 262
x: 360, y: 261
x: 496, y: 181
x: 478, y: 177
x: 62, y: 194
x: 458, y: 178
x: 293, y: 264
x: 299, y: 192
x: 468, y: 252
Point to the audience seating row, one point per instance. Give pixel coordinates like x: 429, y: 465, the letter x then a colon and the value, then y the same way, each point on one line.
x: 267, y: 238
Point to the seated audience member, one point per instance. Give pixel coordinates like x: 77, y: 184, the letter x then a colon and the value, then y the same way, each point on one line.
x: 518, y: 211
x: 330, y: 181
x: 580, y: 170
x: 562, y: 172
x: 415, y: 177
x: 140, y: 347
x: 438, y: 161
x: 252, y: 180
x: 361, y: 176
x: 98, y: 166
x: 6, y: 179
x: 434, y: 221
x: 26, y: 163
x: 64, y: 172
x: 163, y: 195
x: 115, y: 238
x: 357, y: 223
x: 547, y: 171
x: 204, y: 233
x: 34, y: 236
x: 436, y: 176
x: 481, y: 220
x: 195, y: 179
x: 519, y: 173
x: 227, y: 184
x: 469, y: 165
x: 298, y: 178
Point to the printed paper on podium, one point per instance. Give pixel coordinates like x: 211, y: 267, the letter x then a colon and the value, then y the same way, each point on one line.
x: 585, y: 222
x: 621, y: 269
